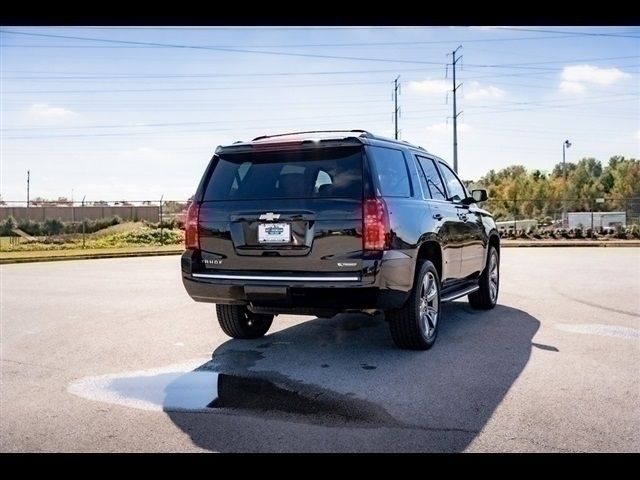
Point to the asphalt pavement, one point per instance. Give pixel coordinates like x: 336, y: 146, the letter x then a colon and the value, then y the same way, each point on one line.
x: 112, y: 355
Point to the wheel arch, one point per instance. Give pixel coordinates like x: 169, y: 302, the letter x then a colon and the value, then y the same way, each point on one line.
x: 431, y: 250
x: 494, y: 241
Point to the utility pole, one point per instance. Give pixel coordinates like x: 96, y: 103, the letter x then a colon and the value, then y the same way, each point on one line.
x: 396, y: 92
x: 84, y: 221
x: 161, y: 237
x: 566, y: 144
x: 455, y: 109
x: 28, y: 180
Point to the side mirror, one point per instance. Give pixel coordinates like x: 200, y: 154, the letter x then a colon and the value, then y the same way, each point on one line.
x: 479, y: 195
x: 476, y: 196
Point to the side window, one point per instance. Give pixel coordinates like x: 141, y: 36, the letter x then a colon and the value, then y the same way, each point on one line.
x: 423, y: 179
x: 455, y: 187
x: 390, y: 167
x: 432, y: 179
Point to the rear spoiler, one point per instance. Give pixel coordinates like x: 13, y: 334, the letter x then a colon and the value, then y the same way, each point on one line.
x: 289, y: 145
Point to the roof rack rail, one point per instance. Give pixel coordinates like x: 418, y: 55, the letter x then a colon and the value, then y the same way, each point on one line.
x: 362, y: 133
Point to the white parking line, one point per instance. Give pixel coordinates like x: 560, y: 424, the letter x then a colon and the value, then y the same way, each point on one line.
x: 599, y: 329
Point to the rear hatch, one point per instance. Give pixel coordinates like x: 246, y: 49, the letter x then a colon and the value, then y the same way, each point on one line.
x: 290, y: 210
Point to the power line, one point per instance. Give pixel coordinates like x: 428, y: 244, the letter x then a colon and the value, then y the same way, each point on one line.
x: 244, y: 122
x: 305, y: 28
x: 533, y: 65
x: 224, y: 49
x: 109, y: 75
x: 537, y: 74
x: 536, y: 104
x: 588, y: 34
x: 552, y: 102
x: 133, y: 76
x: 499, y: 107
x: 310, y: 45
x: 189, y: 89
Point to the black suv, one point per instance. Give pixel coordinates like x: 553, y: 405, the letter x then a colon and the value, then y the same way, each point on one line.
x: 317, y: 223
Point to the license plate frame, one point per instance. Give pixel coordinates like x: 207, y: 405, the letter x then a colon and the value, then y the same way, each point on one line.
x: 274, y: 233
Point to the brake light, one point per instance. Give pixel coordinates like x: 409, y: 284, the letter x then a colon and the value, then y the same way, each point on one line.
x: 191, y: 237
x: 375, y: 225
x: 277, y: 145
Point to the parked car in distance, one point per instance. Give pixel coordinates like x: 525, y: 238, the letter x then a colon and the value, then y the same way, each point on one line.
x: 323, y: 222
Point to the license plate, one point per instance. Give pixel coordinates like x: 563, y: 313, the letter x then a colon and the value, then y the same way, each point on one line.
x: 274, y: 233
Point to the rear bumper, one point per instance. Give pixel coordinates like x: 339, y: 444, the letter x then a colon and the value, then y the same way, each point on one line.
x: 380, y: 284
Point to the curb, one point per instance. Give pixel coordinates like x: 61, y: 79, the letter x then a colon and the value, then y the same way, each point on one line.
x: 6, y: 261
x: 569, y: 243
x: 504, y: 243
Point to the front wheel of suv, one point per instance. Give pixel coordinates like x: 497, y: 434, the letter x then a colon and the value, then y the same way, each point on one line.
x: 238, y: 322
x: 415, y: 326
x: 487, y: 296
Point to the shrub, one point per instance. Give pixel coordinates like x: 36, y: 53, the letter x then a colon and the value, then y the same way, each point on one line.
x: 152, y: 237
x: 145, y: 236
x: 7, y: 225
x: 72, y: 227
x: 635, y: 231
x: 52, y: 226
x: 170, y: 224
x: 30, y: 227
x: 92, y: 226
x: 621, y: 233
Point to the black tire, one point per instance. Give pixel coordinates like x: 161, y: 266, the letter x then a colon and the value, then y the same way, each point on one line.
x: 238, y: 322
x: 408, y: 330
x: 486, y: 297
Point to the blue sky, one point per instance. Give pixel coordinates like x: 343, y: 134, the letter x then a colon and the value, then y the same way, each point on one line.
x: 135, y: 115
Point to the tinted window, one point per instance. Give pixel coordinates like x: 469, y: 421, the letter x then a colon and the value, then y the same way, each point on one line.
x: 454, y: 186
x: 432, y: 179
x: 390, y: 168
x: 327, y: 172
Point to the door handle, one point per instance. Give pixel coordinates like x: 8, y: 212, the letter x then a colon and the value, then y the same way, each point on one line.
x: 437, y: 216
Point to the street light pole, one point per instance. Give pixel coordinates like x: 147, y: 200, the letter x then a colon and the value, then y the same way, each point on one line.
x: 565, y: 221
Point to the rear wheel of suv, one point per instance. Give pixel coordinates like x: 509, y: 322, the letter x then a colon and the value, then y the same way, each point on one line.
x: 487, y: 296
x: 238, y: 322
x: 415, y: 326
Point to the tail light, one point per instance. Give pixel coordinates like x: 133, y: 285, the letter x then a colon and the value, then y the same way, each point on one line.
x: 191, y: 237
x: 375, y: 225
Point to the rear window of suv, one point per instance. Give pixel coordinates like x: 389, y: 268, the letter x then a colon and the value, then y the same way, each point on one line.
x: 319, y: 173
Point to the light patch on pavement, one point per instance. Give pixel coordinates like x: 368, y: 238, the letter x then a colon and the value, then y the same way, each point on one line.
x: 599, y: 329
x: 171, y: 388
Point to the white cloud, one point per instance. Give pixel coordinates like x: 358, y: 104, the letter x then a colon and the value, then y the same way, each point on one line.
x: 429, y: 86
x: 576, y: 77
x: 44, y: 110
x: 572, y: 87
x: 442, y: 128
x: 475, y: 90
x: 593, y: 74
x: 479, y: 92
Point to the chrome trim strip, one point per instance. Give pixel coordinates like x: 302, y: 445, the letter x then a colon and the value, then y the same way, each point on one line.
x: 273, y: 277
x: 462, y: 293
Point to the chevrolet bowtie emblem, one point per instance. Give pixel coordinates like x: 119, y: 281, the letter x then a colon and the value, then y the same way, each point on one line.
x: 270, y: 216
